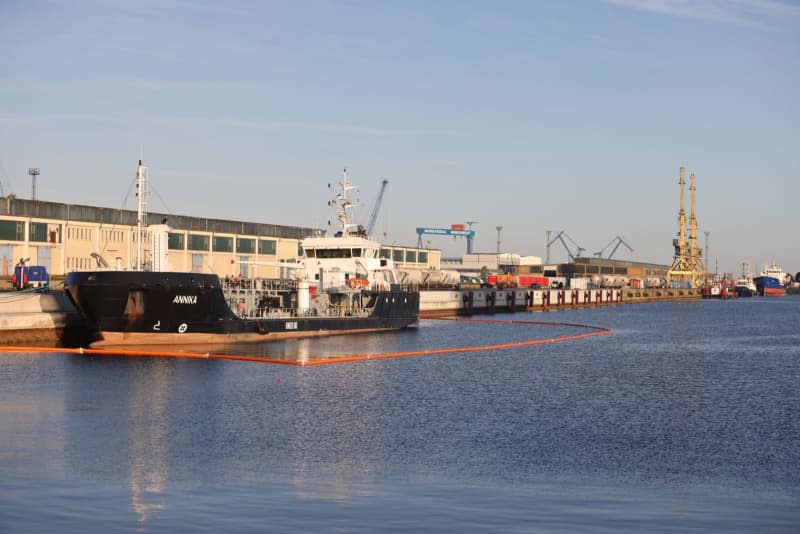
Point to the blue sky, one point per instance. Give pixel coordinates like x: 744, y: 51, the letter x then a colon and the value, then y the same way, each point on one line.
x: 529, y: 115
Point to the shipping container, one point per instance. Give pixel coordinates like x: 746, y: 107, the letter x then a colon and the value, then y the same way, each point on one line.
x: 579, y: 283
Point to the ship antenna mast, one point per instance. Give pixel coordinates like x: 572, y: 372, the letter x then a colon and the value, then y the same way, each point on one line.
x: 141, y: 213
x: 344, y: 204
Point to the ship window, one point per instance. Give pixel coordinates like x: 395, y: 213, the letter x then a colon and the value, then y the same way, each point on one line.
x: 310, y: 253
x: 422, y: 257
x: 356, y: 252
x: 333, y: 253
x: 135, y: 305
x: 397, y: 255
x: 411, y: 256
x: 385, y: 253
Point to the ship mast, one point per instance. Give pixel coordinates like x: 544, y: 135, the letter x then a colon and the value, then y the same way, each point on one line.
x: 141, y: 213
x: 344, y: 205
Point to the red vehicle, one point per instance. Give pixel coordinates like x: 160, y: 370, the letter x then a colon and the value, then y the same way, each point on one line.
x: 534, y: 281
x: 523, y: 280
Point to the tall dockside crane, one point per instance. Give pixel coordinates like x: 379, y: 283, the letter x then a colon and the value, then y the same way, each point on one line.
x: 687, y: 266
x: 374, y: 215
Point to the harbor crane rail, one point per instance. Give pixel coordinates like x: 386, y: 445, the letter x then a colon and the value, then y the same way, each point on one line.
x: 619, y: 241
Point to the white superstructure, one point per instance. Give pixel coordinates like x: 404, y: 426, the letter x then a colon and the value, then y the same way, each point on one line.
x: 348, y: 258
x: 776, y: 272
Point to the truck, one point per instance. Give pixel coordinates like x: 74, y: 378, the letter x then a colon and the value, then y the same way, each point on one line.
x: 27, y: 276
x: 505, y: 280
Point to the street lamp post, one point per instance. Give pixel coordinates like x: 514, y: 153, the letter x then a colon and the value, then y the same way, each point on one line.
x: 34, y: 172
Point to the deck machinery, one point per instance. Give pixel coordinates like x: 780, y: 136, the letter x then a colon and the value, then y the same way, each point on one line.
x: 687, y: 267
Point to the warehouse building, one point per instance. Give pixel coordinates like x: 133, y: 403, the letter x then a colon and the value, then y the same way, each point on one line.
x: 70, y: 237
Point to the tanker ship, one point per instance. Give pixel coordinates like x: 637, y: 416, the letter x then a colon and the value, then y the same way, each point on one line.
x: 340, y: 285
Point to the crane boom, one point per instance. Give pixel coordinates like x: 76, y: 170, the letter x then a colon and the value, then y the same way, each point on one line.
x: 374, y: 215
x: 560, y: 237
x: 619, y: 241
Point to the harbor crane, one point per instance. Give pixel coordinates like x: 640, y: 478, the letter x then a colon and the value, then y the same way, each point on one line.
x: 560, y: 237
x: 619, y: 241
x: 455, y: 230
x: 374, y: 215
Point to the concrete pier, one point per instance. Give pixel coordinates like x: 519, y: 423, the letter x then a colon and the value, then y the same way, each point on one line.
x: 39, y: 318
x: 435, y: 303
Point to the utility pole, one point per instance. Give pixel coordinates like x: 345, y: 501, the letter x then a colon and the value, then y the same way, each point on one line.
x: 34, y: 172
x: 547, y: 246
x: 470, y: 236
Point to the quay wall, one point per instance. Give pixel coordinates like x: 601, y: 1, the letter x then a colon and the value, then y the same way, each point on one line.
x: 40, y: 318
x: 438, y: 303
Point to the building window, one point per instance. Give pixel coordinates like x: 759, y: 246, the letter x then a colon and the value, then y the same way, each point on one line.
x: 198, y: 242
x: 12, y: 231
x: 245, y: 246
x: 175, y: 241
x: 197, y: 263
x: 267, y: 246
x: 222, y: 244
x: 38, y: 232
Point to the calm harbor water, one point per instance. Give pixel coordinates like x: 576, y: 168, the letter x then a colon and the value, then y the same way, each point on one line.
x: 686, y: 418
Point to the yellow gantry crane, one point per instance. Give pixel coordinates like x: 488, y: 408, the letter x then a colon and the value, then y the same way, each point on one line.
x: 687, y: 266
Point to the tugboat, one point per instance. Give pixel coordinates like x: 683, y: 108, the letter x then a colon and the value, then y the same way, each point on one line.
x: 745, y: 287
x: 340, y: 285
x: 718, y: 288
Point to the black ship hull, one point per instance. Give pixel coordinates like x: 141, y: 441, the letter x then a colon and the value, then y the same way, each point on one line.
x: 742, y: 291
x: 159, y: 308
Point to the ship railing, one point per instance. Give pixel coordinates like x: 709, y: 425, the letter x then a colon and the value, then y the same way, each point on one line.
x: 414, y: 288
x: 233, y: 283
x: 330, y: 311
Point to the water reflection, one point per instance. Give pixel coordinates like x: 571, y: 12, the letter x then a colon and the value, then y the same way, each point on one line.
x: 148, y: 411
x: 338, y: 437
x: 31, y: 426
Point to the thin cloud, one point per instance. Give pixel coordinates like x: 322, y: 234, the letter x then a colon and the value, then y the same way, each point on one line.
x: 753, y: 13
x: 179, y: 121
x: 336, y: 128
x: 51, y: 118
x: 158, y: 85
